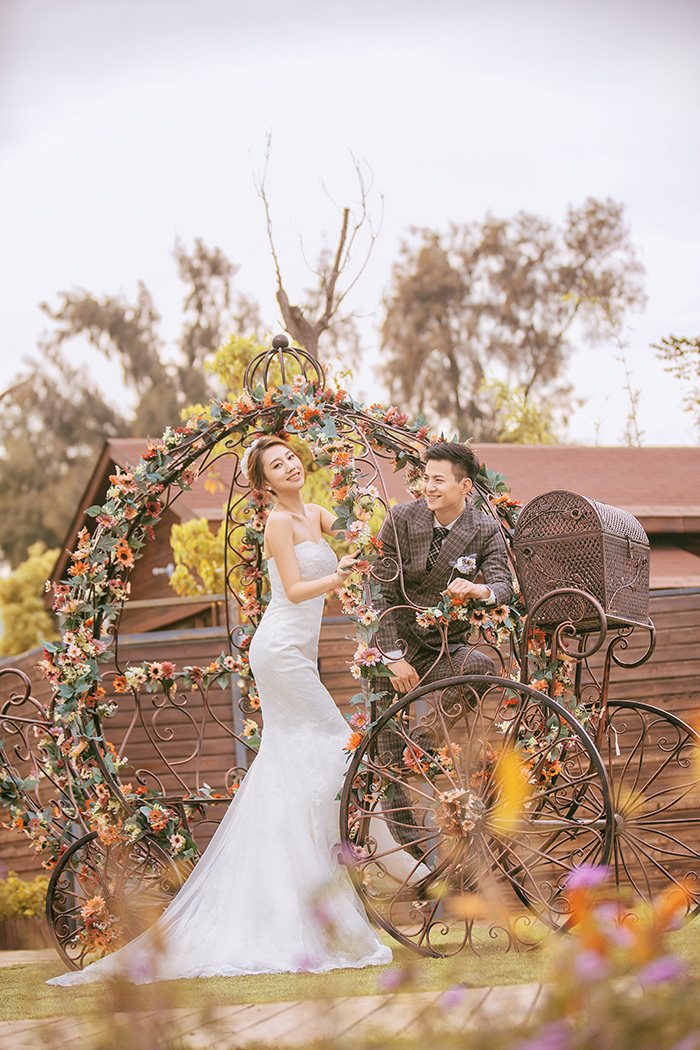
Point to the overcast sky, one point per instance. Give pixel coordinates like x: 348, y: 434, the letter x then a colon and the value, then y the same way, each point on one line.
x: 127, y: 123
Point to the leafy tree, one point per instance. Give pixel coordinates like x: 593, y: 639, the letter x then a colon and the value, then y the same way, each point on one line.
x: 682, y: 358
x: 54, y: 419
x: 496, y: 301
x: 128, y: 331
x: 519, y: 420
x: 199, y: 557
x: 25, y: 620
x: 51, y: 425
x: 210, y: 313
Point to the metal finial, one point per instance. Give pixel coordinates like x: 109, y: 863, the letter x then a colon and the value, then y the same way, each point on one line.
x: 286, y: 361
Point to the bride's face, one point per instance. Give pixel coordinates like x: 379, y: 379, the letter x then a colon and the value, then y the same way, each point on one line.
x: 282, y: 469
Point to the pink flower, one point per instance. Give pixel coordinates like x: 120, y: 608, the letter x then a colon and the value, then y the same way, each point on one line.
x: 390, y: 980
x: 454, y: 996
x: 367, y: 657
x: 591, y: 966
x: 587, y: 876
x: 660, y: 971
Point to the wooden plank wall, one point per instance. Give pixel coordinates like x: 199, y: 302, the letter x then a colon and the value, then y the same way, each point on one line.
x: 671, y: 678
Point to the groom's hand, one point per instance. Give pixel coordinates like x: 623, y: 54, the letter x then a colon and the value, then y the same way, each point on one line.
x: 466, y: 589
x: 405, y: 676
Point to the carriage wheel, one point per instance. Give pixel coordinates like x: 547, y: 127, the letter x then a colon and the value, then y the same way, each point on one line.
x: 99, y: 897
x: 653, y: 761
x: 464, y: 811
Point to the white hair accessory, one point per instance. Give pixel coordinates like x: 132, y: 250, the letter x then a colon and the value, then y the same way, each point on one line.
x: 243, y: 466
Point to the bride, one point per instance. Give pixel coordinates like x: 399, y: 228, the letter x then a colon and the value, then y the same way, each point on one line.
x: 269, y: 894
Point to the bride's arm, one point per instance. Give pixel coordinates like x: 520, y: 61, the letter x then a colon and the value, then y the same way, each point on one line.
x: 278, y: 533
x: 327, y: 519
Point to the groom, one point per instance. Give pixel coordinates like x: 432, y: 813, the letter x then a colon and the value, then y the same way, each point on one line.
x: 435, y: 536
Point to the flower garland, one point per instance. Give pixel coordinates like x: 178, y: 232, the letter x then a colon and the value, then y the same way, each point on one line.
x: 74, y: 755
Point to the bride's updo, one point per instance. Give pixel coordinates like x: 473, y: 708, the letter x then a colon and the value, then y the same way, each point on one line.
x: 254, y: 460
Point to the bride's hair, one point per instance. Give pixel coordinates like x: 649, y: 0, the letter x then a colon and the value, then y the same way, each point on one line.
x: 254, y: 466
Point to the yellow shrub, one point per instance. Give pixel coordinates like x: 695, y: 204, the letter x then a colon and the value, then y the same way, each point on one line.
x: 20, y: 899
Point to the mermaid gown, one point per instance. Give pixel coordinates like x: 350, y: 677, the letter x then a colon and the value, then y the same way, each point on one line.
x: 269, y: 894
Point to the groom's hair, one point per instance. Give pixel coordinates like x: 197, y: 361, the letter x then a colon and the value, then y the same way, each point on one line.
x: 463, y: 459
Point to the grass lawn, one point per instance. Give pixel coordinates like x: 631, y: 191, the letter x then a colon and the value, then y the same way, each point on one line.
x: 23, y: 993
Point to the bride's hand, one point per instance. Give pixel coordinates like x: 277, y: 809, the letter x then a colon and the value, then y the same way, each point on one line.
x: 346, y: 566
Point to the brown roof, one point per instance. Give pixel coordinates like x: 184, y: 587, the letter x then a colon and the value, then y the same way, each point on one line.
x: 660, y: 486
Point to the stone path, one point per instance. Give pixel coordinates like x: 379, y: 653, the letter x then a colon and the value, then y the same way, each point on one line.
x: 348, y: 1020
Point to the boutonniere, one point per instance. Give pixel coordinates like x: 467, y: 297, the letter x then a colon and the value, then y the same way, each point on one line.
x: 466, y: 564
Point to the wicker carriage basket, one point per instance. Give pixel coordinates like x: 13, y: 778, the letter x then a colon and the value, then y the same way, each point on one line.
x: 565, y: 540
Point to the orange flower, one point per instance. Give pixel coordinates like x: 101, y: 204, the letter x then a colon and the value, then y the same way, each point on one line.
x: 81, y: 568
x: 412, y: 761
x: 123, y: 554
x: 120, y: 684
x: 354, y: 741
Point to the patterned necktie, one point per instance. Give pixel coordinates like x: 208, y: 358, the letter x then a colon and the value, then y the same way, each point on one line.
x: 439, y: 536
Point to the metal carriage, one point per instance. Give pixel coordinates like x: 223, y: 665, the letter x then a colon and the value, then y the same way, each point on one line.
x: 467, y: 802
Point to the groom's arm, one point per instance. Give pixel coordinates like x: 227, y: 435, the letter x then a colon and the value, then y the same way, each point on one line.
x: 492, y: 562
x: 405, y: 675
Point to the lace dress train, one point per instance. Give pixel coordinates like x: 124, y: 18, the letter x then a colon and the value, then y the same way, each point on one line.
x: 268, y: 894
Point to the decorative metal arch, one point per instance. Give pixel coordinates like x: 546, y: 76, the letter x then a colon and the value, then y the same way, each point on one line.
x: 81, y: 808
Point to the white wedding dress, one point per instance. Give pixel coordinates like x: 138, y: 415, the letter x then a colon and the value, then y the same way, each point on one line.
x: 269, y: 894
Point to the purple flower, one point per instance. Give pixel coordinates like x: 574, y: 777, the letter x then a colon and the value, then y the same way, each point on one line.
x: 621, y: 937
x: 659, y: 971
x: 390, y: 980
x: 587, y: 876
x: 452, y: 997
x: 591, y: 966
x: 688, y: 1042
x: 554, y: 1036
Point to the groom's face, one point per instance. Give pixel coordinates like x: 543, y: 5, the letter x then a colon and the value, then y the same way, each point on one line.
x: 444, y: 492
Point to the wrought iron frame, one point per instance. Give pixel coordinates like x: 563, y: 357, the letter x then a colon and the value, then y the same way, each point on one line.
x: 587, y: 630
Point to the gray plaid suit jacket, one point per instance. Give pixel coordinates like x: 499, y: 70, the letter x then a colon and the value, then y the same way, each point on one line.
x: 408, y: 530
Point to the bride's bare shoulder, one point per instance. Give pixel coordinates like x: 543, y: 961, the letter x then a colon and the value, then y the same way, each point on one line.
x: 279, y: 523
x: 320, y: 515
x: 279, y: 529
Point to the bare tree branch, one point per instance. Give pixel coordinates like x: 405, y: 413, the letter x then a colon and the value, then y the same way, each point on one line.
x: 303, y: 330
